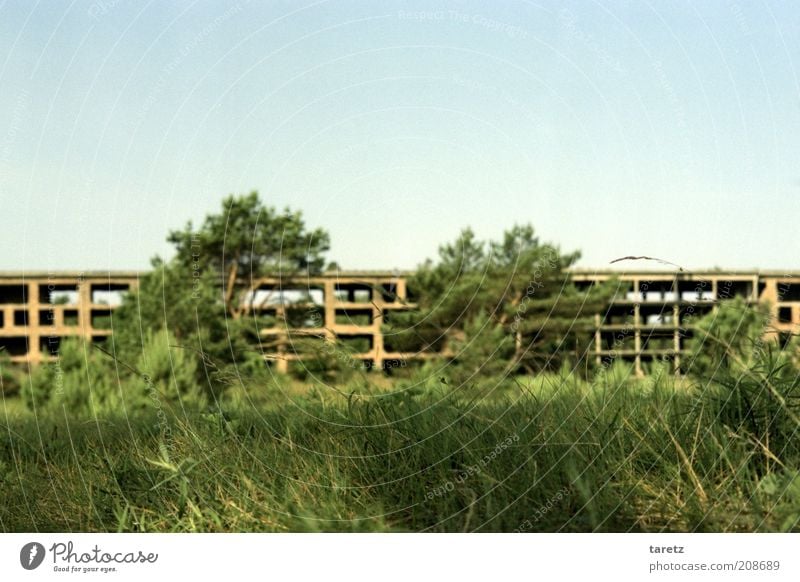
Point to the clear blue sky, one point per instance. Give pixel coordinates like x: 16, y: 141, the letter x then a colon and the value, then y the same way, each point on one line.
x: 663, y: 128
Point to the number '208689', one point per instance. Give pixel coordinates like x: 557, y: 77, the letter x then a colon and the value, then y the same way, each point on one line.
x: 758, y: 565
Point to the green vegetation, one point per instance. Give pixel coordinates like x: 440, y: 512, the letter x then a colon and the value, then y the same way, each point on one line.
x: 354, y: 318
x: 248, y: 240
x: 551, y: 453
x: 499, y: 307
x: 177, y: 424
x: 71, y: 318
x: 217, y: 328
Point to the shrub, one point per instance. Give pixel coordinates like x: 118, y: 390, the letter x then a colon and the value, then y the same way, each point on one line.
x: 728, y: 338
x: 168, y: 369
x: 10, y: 382
x: 83, y: 382
x: 79, y: 382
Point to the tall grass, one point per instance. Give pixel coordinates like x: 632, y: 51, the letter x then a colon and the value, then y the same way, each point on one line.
x: 551, y: 454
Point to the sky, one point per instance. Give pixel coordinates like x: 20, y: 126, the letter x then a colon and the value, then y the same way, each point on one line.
x: 669, y: 129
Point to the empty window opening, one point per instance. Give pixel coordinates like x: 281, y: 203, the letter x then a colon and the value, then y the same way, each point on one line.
x: 694, y: 291
x: 622, y: 340
x: 2, y: 319
x: 13, y: 294
x: 395, y: 317
x: 305, y: 318
x: 788, y: 292
x: 47, y: 317
x: 657, y: 341
x: 658, y: 319
x: 389, y: 292
x: 655, y: 290
x: 360, y: 317
x: 14, y: 346
x: 690, y: 314
x: 110, y: 294
x: 656, y: 315
x: 357, y: 344
x: 362, y: 296
x: 58, y: 294
x: 697, y: 296
x: 101, y: 319
x: 70, y: 317
x: 21, y: 317
x: 49, y: 344
x: 272, y: 295
x: 785, y: 315
x: 732, y: 288
x: 353, y: 293
x: 619, y: 315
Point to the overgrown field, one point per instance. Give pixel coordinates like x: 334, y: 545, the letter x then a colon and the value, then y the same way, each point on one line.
x: 548, y: 454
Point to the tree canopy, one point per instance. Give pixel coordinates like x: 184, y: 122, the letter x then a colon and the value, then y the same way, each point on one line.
x: 497, y: 306
x: 247, y: 240
x: 202, y: 294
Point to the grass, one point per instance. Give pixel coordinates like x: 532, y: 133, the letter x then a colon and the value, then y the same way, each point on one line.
x: 550, y: 454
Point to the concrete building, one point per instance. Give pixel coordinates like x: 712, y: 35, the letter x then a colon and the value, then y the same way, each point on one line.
x: 38, y: 309
x: 655, y: 314
x: 651, y: 318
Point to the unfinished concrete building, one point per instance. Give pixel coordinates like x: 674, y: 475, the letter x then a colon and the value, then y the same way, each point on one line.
x: 656, y: 312
x: 348, y: 307
x: 37, y: 310
x: 651, y: 318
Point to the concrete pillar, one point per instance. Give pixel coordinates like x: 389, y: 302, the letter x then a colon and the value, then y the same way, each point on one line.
x: 85, y: 307
x: 377, y: 335
x: 33, y: 331
x: 400, y: 289
x: 770, y: 296
x: 714, y: 290
x: 770, y: 293
x: 676, y: 338
x: 598, y: 344
x: 329, y: 303
x: 754, y: 292
x: 637, y: 336
x: 282, y: 364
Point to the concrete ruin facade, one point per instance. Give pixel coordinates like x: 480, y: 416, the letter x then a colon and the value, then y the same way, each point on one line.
x: 651, y: 318
x: 37, y: 310
x: 655, y: 314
